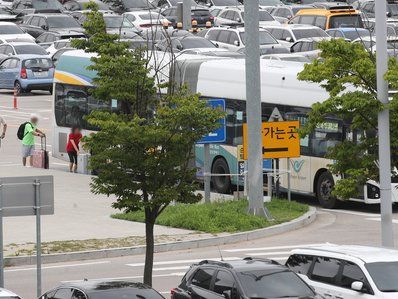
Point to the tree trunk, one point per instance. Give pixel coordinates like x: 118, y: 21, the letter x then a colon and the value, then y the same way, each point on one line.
x: 150, y: 244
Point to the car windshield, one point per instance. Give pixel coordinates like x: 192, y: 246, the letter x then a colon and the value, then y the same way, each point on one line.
x: 10, y: 29
x: 353, y: 35
x: 117, y: 22
x: 263, y: 17
x: 191, y: 43
x: 393, y: 9
x: 270, y: 2
x: 384, y: 275
x: 47, y: 4
x: 265, y: 38
x: 308, y: 33
x: 37, y: 63
x: 30, y: 49
x: 226, y: 2
x: 346, y: 21
x: 138, y: 4
x: 62, y: 22
x: 271, y: 284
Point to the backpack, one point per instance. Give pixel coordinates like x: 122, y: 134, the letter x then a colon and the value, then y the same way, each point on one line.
x: 21, y: 130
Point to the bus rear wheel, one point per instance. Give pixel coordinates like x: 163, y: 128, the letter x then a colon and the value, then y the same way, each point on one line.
x: 221, y: 184
x: 324, y: 190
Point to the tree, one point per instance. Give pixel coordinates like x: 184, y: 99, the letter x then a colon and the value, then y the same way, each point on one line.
x: 143, y: 153
x: 348, y: 73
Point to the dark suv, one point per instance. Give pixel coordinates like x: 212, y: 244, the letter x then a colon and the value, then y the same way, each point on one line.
x: 241, y: 279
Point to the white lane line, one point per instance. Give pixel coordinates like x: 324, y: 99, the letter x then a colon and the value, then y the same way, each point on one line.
x: 9, y: 165
x: 352, y: 213
x: 272, y: 248
x: 62, y: 164
x: 395, y: 221
x: 58, y: 266
x: 184, y: 261
x: 128, y: 277
x: 172, y: 268
x: 272, y: 253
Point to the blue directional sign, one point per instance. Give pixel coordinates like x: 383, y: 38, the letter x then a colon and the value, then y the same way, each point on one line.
x: 220, y: 135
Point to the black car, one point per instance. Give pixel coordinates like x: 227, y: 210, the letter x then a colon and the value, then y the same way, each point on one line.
x: 121, y: 6
x: 96, y: 289
x: 178, y: 44
x: 242, y: 279
x: 36, y: 24
x: 48, y: 38
x: 75, y: 5
x: 24, y: 7
x: 200, y: 15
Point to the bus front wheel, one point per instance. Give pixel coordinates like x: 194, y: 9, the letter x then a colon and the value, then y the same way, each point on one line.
x: 324, y: 190
x: 221, y: 184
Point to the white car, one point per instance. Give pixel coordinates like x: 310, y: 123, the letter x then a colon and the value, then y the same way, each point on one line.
x: 348, y: 271
x: 10, y: 32
x: 5, y: 294
x: 218, y: 3
x: 235, y: 16
x: 57, y: 45
x: 145, y: 19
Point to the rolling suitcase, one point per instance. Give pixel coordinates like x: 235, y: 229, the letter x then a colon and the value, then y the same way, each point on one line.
x: 40, y: 157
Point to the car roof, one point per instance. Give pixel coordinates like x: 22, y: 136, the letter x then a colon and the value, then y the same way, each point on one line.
x: 349, y: 29
x: 292, y: 26
x: 90, y: 286
x: 367, y: 254
x: 20, y: 44
x: 245, y: 264
x: 7, y: 293
x: 49, y: 14
x: 28, y: 56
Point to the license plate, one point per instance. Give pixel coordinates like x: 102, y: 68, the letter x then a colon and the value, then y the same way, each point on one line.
x: 40, y: 74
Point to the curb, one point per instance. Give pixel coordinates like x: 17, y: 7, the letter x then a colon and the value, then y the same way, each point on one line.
x: 292, y: 225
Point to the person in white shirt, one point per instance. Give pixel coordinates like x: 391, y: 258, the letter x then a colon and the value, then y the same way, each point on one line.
x: 4, y: 124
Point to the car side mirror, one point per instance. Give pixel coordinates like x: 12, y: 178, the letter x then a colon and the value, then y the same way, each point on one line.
x: 237, y: 43
x: 179, y: 47
x: 239, y: 20
x: 357, y: 286
x: 227, y: 294
x: 389, y: 14
x: 44, y: 27
x: 289, y: 39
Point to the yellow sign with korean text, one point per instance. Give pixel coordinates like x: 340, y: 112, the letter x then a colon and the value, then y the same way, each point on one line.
x: 280, y: 140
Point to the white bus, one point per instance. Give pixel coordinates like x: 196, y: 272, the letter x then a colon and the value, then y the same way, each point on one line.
x: 225, y: 79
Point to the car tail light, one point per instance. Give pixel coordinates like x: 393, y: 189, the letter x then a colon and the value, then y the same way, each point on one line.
x: 172, y: 293
x: 24, y: 74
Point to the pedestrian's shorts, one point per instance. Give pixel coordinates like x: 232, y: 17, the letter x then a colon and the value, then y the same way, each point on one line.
x: 27, y: 150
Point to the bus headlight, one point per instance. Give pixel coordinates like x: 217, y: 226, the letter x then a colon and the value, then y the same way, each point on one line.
x: 373, y: 191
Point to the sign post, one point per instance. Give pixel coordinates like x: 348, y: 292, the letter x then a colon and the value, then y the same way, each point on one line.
x: 26, y: 196
x: 218, y: 136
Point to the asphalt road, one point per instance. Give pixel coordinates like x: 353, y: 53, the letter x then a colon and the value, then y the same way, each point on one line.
x: 353, y: 224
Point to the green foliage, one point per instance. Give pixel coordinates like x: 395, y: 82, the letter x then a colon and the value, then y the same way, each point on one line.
x: 229, y: 216
x: 348, y: 72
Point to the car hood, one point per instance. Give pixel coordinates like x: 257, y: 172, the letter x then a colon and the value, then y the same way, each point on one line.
x: 72, y: 29
x: 24, y: 37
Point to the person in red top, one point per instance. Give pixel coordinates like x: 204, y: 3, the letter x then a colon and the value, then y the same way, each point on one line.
x: 72, y: 147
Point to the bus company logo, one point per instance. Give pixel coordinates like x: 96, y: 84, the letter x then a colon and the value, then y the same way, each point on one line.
x: 297, y: 165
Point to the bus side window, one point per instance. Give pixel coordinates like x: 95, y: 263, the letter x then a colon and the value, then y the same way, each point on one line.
x: 326, y: 135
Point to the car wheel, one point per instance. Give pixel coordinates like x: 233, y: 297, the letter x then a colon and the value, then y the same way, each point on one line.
x: 324, y: 190
x: 221, y: 184
x: 18, y: 88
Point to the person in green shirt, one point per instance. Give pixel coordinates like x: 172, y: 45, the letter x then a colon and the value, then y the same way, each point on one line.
x: 28, y: 141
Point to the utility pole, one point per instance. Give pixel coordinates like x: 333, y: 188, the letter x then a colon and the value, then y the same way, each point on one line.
x: 387, y: 234
x: 186, y: 16
x: 253, y: 110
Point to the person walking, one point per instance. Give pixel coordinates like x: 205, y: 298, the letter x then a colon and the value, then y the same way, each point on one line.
x: 4, y: 124
x: 72, y: 147
x: 28, y: 140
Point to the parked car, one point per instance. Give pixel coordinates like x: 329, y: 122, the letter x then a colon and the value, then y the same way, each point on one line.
x: 24, y: 7
x: 121, y: 6
x: 235, y: 16
x: 201, y: 15
x: 245, y: 279
x: 57, y: 54
x: 74, y: 5
x: 348, y: 271
x: 218, y: 3
x: 145, y: 19
x: 116, y: 24
x: 96, y: 289
x: 57, y: 45
x: 349, y: 34
x: 36, y: 24
x: 7, y: 14
x: 369, y: 9
x: 163, y: 4
x: 284, y: 13
x: 26, y: 72
x: 234, y: 38
x: 6, y: 294
x: 178, y: 44
x: 287, y: 34
x: 370, y: 44
x: 48, y: 39
x: 16, y: 48
x: 10, y: 32
x: 307, y: 47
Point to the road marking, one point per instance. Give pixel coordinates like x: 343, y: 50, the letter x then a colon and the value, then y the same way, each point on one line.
x: 58, y: 266
x: 163, y: 263
x: 128, y: 277
x: 272, y: 248
x: 395, y: 221
x: 8, y: 165
x: 352, y: 213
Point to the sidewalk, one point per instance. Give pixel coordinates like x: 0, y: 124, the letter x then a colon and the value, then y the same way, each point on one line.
x: 79, y: 214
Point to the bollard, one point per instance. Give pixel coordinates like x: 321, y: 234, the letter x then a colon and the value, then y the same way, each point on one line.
x: 15, y: 99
